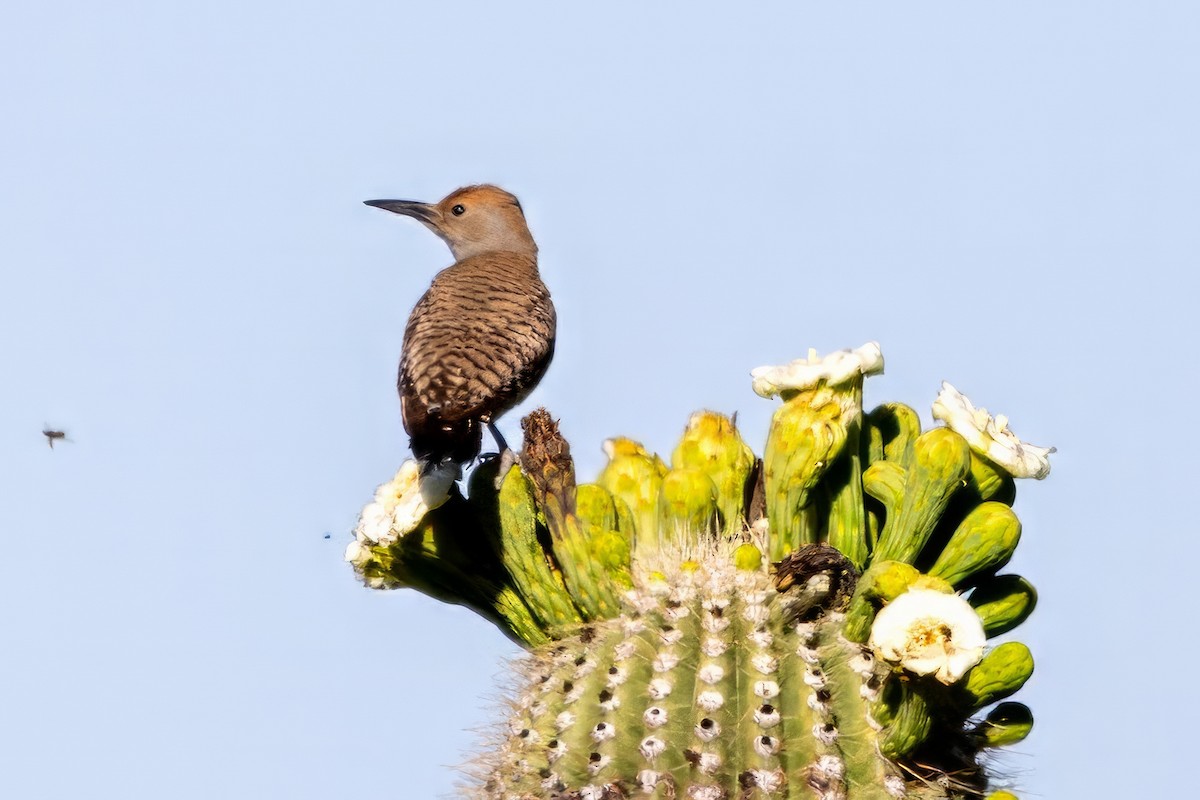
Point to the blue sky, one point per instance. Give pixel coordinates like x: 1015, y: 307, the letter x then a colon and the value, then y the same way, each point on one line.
x: 1005, y: 196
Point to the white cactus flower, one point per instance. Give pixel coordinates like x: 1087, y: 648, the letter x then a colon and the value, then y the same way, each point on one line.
x: 805, y: 373
x: 357, y: 554
x: 990, y: 436
x: 928, y: 632
x: 402, y: 502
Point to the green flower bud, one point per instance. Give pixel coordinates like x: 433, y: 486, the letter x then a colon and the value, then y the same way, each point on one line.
x: 892, y: 429
x: 990, y: 482
x: 1003, y: 603
x: 904, y: 712
x: 687, y: 506
x: 595, y: 565
x: 595, y: 507
x: 747, y: 557
x: 940, y: 463
x: 608, y: 545
x: 1008, y: 723
x: 634, y: 477
x: 522, y: 555
x: 711, y: 444
x: 1002, y: 671
x: 884, y: 480
x: 887, y: 580
x: 985, y: 540
x: 611, y: 552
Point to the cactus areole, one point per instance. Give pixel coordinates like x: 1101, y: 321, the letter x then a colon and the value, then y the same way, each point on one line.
x: 809, y: 624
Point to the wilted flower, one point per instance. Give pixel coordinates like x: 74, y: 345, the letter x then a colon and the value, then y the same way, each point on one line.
x: 990, y: 437
x: 928, y: 632
x: 805, y: 373
x: 402, y: 502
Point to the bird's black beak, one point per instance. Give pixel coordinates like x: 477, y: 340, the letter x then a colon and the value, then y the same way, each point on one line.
x: 409, y: 208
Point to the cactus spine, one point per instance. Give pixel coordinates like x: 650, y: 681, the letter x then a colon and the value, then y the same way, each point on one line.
x: 715, y: 627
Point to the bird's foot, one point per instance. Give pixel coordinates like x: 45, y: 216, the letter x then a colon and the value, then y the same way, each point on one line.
x: 501, y: 445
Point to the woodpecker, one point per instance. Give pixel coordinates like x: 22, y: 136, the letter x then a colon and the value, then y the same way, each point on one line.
x: 479, y: 340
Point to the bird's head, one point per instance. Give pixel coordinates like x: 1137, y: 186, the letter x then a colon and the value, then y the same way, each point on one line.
x: 471, y: 220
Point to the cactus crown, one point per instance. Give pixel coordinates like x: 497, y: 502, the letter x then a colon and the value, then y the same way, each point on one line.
x: 724, y: 626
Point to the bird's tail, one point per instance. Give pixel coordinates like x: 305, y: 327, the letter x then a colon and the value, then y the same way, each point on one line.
x: 459, y: 441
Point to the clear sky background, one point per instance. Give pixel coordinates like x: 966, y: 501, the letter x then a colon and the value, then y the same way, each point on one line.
x: 1004, y: 195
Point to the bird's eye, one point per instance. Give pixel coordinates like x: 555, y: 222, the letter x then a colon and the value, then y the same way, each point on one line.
x: 458, y: 211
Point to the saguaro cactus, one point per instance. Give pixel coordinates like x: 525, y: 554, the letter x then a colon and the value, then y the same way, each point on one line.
x: 809, y: 624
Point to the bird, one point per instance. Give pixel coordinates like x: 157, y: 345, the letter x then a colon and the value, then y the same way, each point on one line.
x: 482, y: 336
x: 51, y: 435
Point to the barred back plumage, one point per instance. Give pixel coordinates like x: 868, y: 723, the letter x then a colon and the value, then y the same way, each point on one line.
x: 479, y: 340
x: 476, y: 344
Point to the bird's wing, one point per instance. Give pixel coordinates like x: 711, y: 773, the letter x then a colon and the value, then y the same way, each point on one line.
x: 472, y: 352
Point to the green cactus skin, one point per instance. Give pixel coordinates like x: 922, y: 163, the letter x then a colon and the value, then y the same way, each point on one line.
x: 697, y: 688
x: 675, y: 650
x: 634, y: 478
